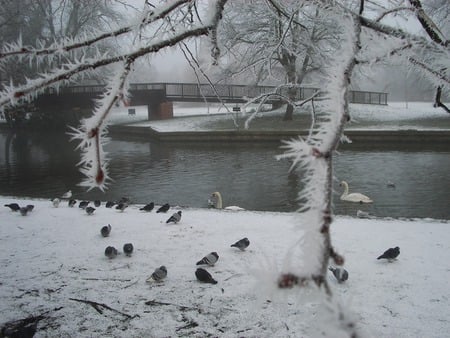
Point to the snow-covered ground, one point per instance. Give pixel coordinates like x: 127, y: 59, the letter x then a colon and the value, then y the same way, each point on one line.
x: 395, y: 115
x: 53, y: 264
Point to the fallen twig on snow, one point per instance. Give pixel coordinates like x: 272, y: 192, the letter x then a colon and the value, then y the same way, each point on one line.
x: 100, y: 306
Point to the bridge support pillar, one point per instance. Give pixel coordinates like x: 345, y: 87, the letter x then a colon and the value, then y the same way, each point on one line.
x: 160, y: 110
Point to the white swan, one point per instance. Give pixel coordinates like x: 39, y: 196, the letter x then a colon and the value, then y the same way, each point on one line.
x: 353, y: 197
x: 216, y: 202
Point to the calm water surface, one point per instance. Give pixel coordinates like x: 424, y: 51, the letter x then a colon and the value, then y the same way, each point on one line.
x: 44, y: 165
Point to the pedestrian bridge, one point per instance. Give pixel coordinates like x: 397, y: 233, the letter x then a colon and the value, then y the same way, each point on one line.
x: 158, y: 97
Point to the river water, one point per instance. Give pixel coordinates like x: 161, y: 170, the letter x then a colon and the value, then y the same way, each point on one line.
x: 44, y: 165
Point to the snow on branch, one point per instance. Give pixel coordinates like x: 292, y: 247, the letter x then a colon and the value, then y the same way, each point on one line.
x: 314, y: 156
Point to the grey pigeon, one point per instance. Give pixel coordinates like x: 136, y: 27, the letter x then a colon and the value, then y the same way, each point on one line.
x: 148, y: 207
x: 105, y: 230
x: 72, y: 202
x: 110, y: 252
x: 97, y: 203
x: 109, y: 204
x: 204, y: 276
x: 23, y: 211
x: 128, y: 249
x: 30, y: 207
x: 13, y: 206
x: 390, y: 254
x: 158, y: 275
x: 209, y: 259
x: 90, y: 210
x: 83, y: 204
x: 125, y: 200
x: 241, y: 244
x: 56, y: 202
x: 164, y: 208
x: 175, y: 218
x: 121, y: 206
x: 340, y: 273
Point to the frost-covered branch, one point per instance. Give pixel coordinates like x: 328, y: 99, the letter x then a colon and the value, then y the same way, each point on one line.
x: 173, y: 29
x: 17, y: 49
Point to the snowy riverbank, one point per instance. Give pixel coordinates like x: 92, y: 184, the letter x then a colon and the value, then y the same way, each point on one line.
x: 53, y: 259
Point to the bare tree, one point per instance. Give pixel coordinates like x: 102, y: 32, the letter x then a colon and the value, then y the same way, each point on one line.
x: 279, y: 42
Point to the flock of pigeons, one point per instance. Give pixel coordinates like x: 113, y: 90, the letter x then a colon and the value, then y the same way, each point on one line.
x: 160, y: 273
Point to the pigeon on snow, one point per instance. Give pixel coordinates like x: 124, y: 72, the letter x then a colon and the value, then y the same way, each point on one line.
x: 97, y: 203
x: 109, y: 204
x: 175, y: 218
x: 83, y: 204
x: 128, y: 249
x: 110, y: 252
x: 105, y: 230
x: 209, y: 259
x: 13, y: 206
x: 30, y: 207
x: 340, y: 273
x: 90, y: 210
x: 241, y: 244
x: 125, y: 200
x: 67, y: 194
x: 56, y: 202
x: 71, y: 203
x: 204, y: 276
x: 390, y: 253
x: 164, y: 208
x: 23, y: 211
x: 121, y: 206
x: 158, y: 275
x: 148, y: 207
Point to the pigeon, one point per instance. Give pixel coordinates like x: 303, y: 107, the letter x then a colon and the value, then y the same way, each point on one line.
x: 148, y: 207
x: 340, y: 273
x: 109, y: 204
x: 128, y: 249
x: 13, y: 206
x: 241, y: 244
x: 90, y: 210
x: 204, y: 276
x: 67, y: 194
x: 72, y: 202
x: 158, y: 275
x: 23, y: 211
x: 175, y: 218
x: 164, y: 208
x: 83, y: 204
x: 56, y: 202
x: 97, y: 203
x: 105, y: 230
x: 110, y: 252
x: 121, y: 206
x: 124, y: 200
x: 390, y: 253
x: 209, y: 259
x: 30, y: 207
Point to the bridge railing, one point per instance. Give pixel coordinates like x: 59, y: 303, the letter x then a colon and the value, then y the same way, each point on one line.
x: 235, y: 93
